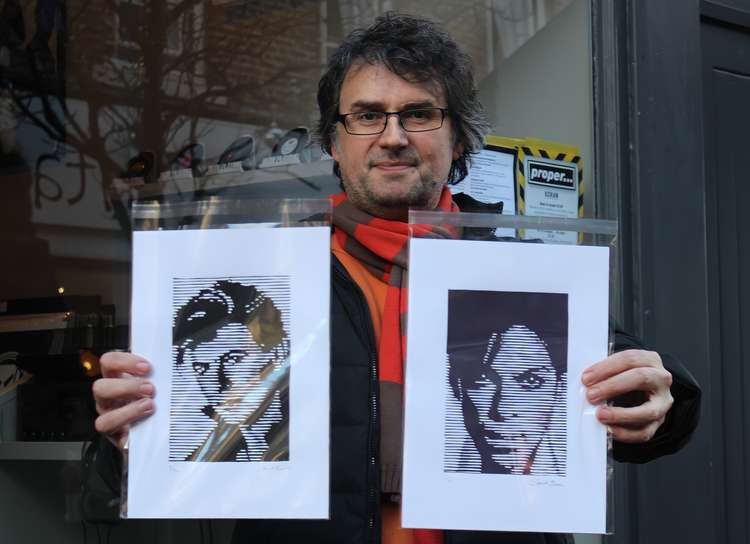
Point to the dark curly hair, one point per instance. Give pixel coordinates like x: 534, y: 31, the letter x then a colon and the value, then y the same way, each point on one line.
x: 418, y: 51
x: 200, y: 318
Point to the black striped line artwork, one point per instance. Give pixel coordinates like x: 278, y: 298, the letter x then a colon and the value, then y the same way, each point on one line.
x: 230, y: 361
x: 506, y: 383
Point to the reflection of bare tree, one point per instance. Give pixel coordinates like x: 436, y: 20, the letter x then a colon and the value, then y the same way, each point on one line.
x: 130, y: 75
x: 143, y: 74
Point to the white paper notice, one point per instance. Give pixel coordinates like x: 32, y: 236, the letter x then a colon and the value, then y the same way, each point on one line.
x: 236, y: 325
x: 491, y: 178
x: 498, y: 432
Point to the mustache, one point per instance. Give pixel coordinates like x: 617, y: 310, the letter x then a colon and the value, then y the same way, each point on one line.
x: 407, y: 156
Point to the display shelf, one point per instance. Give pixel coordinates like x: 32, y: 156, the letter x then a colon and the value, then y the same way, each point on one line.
x: 40, y: 451
x: 315, y: 176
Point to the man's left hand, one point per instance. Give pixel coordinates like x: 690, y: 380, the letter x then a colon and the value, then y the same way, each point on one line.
x: 625, y: 374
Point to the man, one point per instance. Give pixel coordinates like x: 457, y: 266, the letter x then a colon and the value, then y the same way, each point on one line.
x: 400, y: 117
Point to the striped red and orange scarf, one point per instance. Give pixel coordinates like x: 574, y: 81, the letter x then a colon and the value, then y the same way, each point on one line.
x: 381, y: 245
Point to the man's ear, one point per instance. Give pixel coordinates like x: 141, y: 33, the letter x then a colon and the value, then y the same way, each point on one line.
x: 334, y: 148
x: 458, y: 150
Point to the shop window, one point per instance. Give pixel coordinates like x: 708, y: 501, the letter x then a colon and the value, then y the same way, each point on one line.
x: 126, y: 77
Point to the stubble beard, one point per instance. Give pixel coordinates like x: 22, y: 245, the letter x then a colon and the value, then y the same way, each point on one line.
x: 424, y: 192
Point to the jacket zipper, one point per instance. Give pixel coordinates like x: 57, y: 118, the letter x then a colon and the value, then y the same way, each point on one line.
x: 373, y: 496
x: 373, y: 440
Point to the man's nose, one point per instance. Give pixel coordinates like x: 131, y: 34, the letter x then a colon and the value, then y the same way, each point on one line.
x: 394, y: 136
x: 496, y: 410
x: 225, y: 383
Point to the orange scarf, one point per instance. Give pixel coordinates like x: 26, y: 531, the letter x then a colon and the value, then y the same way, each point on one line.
x: 381, y: 245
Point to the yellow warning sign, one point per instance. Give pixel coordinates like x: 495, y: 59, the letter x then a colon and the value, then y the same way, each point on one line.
x: 556, y: 166
x: 549, y: 180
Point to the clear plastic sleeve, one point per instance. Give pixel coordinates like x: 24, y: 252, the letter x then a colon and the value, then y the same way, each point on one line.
x: 516, y: 320
x: 230, y: 304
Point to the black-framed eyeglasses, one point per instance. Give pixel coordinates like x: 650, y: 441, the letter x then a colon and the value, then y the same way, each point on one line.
x: 365, y: 123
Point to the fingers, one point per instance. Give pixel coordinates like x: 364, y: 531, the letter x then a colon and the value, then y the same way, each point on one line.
x: 618, y: 363
x: 638, y: 423
x: 122, y: 396
x: 118, y: 391
x: 117, y: 363
x: 624, y: 375
x: 115, y: 421
x: 648, y: 379
x: 637, y: 417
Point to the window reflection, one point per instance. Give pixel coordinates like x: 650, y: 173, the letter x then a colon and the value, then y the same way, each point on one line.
x: 93, y: 91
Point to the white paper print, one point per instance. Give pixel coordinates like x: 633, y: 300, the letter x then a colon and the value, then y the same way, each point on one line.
x: 498, y: 433
x: 236, y: 325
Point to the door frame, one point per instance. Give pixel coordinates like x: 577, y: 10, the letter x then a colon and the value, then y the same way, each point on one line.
x: 650, y: 174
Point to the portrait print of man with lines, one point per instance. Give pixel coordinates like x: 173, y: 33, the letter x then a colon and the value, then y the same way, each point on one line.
x: 507, y: 377
x: 230, y: 399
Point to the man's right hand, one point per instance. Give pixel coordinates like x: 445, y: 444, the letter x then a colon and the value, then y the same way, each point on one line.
x: 123, y: 395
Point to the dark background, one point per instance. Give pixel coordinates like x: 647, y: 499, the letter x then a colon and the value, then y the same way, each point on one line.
x: 474, y: 315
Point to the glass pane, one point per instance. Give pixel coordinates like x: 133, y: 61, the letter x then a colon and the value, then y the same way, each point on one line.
x: 107, y: 101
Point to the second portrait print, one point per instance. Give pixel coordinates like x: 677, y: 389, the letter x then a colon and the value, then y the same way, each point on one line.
x: 506, y: 383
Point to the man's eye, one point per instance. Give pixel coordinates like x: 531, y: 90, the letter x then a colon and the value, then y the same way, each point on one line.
x: 368, y: 117
x: 200, y: 368
x: 417, y: 115
x: 487, y: 378
x: 529, y: 380
x: 232, y: 357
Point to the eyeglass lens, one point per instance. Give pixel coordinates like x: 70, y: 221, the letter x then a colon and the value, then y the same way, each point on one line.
x: 374, y: 122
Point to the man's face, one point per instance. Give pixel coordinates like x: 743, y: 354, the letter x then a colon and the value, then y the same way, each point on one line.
x: 507, y: 411
x: 235, y: 370
x: 385, y: 174
x: 230, y: 370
